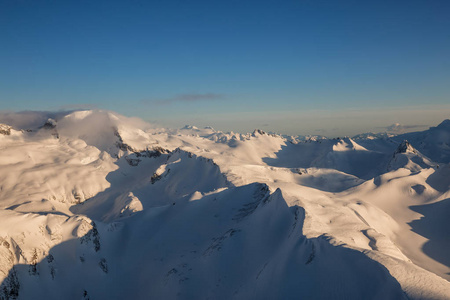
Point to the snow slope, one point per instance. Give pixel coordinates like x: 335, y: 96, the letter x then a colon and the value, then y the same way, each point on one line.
x: 95, y: 205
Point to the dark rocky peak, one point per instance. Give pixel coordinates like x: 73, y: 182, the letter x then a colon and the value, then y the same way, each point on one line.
x: 405, y: 147
x: 257, y: 132
x: 49, y: 124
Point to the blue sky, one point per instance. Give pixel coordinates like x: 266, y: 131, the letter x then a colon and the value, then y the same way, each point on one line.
x: 295, y: 67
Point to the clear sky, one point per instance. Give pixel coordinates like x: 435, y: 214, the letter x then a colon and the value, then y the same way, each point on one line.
x: 295, y: 67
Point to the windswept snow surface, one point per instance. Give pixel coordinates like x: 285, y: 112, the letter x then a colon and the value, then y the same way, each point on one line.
x: 95, y: 205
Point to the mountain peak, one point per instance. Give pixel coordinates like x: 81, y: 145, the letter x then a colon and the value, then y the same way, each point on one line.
x: 444, y: 124
x: 405, y: 147
x: 190, y: 127
x: 49, y: 124
x: 258, y: 132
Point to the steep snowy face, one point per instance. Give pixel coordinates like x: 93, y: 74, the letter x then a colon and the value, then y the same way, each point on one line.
x: 98, y: 129
x: 97, y: 205
x: 445, y: 125
x: 154, y: 180
x: 104, y: 130
x: 237, y: 243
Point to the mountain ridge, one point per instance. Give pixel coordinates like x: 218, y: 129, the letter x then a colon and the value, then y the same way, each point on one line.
x: 115, y: 202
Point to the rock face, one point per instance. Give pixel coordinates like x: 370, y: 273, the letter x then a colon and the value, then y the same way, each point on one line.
x: 10, y: 285
x: 49, y: 124
x: 5, y: 129
x: 257, y: 132
x: 405, y: 147
x: 406, y: 156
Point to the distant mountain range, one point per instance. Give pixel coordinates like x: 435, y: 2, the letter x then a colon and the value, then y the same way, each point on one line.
x: 95, y: 205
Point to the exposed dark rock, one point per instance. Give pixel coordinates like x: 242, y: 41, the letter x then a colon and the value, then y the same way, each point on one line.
x: 93, y: 236
x: 258, y: 132
x: 10, y: 286
x: 154, y: 152
x: 5, y: 129
x: 50, y: 260
x: 217, y: 243
x: 133, y: 161
x: 49, y: 124
x: 261, y: 194
x: 33, y: 266
x: 103, y: 265
x: 312, y: 255
x: 155, y: 178
x: 121, y: 144
x: 404, y: 147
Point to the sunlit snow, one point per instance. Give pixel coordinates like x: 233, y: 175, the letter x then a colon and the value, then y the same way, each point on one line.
x: 95, y: 205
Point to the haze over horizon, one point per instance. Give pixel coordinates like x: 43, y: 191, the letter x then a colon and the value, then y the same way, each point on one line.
x: 300, y: 67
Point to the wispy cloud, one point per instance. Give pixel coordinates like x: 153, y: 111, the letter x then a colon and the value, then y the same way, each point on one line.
x: 28, y: 119
x: 186, y: 98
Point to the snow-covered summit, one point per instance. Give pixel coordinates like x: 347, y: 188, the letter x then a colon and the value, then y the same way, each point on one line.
x: 189, y: 127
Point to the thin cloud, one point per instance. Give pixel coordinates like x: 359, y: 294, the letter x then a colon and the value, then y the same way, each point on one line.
x: 186, y: 98
x: 28, y: 119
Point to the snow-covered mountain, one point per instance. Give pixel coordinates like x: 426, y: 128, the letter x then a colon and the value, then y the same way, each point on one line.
x: 434, y: 143
x: 95, y: 205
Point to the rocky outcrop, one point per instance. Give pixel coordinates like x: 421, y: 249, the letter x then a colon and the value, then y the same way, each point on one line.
x: 5, y: 129
x: 405, y: 147
x: 10, y: 285
x: 91, y: 236
x: 49, y: 124
x: 406, y: 156
x: 133, y: 159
